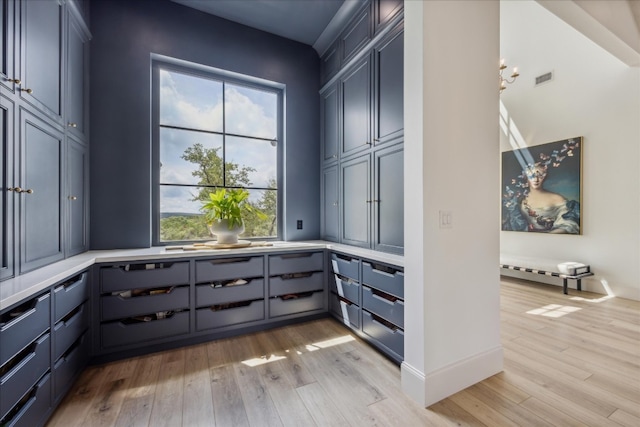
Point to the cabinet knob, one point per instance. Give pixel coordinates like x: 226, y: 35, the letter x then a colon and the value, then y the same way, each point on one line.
x: 73, y: 198
x: 29, y: 191
x: 15, y: 81
x: 29, y: 91
x: 72, y: 125
x: 16, y: 189
x: 20, y: 190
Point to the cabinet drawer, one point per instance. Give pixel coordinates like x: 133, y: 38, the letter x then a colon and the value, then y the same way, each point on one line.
x: 388, y: 279
x: 20, y: 331
x: 384, y: 305
x: 345, y: 266
x: 117, y: 307
x: 385, y: 334
x: 70, y: 294
x: 118, y: 333
x: 24, y: 373
x: 345, y: 287
x: 69, y: 329
x: 295, y: 263
x: 304, y: 302
x: 69, y: 366
x: 207, y: 295
x: 345, y: 311
x: 229, y: 268
x: 163, y: 274
x: 291, y: 284
x: 31, y: 409
x: 207, y: 318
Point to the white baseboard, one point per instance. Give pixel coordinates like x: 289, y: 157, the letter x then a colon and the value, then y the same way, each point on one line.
x: 412, y: 381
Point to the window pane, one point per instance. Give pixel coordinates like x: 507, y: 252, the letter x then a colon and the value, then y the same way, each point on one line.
x: 253, y: 159
x: 188, y: 157
x: 180, y: 217
x: 190, y: 102
x: 267, y: 202
x: 250, y: 112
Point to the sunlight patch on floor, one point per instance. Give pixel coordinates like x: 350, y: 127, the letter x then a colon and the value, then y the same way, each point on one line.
x: 554, y: 310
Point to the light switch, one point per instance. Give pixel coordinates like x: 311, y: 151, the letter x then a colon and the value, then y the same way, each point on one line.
x: 446, y: 219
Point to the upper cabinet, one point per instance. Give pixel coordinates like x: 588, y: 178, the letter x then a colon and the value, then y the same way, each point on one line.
x: 356, y: 34
x: 41, y: 65
x: 389, y: 97
x: 8, y: 77
x: 384, y: 12
x: 355, y: 86
x: 329, y: 110
x: 44, y: 131
x: 77, y: 88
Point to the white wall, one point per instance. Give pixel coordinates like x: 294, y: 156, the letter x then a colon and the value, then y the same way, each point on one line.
x: 593, y: 95
x: 452, y: 334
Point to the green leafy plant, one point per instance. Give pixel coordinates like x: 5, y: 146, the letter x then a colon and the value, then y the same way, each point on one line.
x: 229, y: 205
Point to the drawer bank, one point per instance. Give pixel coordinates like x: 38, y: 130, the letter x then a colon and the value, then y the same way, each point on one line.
x: 108, y: 305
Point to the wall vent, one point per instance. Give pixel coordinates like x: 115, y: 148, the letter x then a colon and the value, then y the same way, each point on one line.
x: 544, y: 78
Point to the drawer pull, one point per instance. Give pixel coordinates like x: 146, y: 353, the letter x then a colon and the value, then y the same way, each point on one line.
x: 71, y: 283
x: 229, y: 260
x: 385, y: 324
x: 295, y: 296
x: 143, y: 292
x: 386, y: 298
x: 161, y: 315
x: 297, y: 255
x: 290, y: 276
x: 229, y: 283
x: 227, y: 306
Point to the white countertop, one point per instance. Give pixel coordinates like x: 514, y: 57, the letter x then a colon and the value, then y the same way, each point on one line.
x: 24, y: 286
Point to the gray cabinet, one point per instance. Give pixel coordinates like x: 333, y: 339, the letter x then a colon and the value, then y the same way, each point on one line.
x: 355, y: 109
x: 384, y: 12
x: 76, y: 81
x: 296, y: 284
x: 356, y: 34
x: 330, y: 204
x: 7, y: 40
x: 329, y: 110
x: 41, y: 64
x: 76, y: 197
x: 368, y: 297
x: 7, y: 181
x: 40, y: 193
x: 388, y: 123
x: 388, y: 202
x: 44, y: 124
x: 355, y: 201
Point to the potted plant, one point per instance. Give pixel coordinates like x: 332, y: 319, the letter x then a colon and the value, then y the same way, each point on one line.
x: 223, y: 213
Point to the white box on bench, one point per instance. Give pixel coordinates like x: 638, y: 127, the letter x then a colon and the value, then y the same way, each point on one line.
x: 573, y: 268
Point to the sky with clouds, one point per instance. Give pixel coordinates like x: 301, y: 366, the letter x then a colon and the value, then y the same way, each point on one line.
x: 197, y: 103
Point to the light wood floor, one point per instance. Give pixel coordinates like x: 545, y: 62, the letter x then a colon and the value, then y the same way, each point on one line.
x: 569, y: 361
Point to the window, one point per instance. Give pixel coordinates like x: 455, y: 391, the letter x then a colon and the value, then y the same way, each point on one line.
x: 213, y: 130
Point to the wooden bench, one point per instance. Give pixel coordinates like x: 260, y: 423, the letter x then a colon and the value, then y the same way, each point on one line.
x: 564, y: 270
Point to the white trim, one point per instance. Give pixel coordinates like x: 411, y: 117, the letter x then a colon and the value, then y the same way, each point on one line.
x: 412, y: 382
x: 457, y: 376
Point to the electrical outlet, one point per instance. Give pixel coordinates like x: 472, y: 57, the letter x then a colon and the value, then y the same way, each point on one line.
x: 299, y: 224
x: 446, y: 219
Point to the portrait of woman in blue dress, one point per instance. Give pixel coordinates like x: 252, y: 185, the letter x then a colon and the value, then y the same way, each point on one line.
x: 541, y: 188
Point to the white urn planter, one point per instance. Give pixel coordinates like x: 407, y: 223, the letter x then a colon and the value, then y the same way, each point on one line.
x: 225, y: 235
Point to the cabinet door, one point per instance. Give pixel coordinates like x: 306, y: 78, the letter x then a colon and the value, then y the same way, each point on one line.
x: 7, y: 180
x: 7, y: 70
x: 76, y: 197
x: 329, y: 63
x: 389, y: 115
x: 356, y: 108
x: 41, y: 148
x: 330, y: 211
x: 356, y: 201
x: 77, y: 62
x: 41, y: 59
x: 389, y: 200
x: 329, y: 120
x: 385, y: 11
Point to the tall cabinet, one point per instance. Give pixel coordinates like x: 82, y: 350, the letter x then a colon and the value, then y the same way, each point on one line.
x: 44, y: 133
x: 362, y: 131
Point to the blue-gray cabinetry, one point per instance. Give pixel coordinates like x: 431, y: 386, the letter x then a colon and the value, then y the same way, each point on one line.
x: 369, y: 86
x: 44, y: 347
x: 368, y: 297
x: 44, y: 124
x: 7, y: 109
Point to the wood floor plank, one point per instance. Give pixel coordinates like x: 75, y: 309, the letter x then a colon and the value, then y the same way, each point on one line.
x: 228, y: 405
x: 167, y: 405
x: 258, y: 403
x: 625, y: 419
x: 198, y: 399
x: 320, y: 406
x: 139, y: 397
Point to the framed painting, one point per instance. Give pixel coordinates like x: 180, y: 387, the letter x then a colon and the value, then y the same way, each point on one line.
x: 541, y: 188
